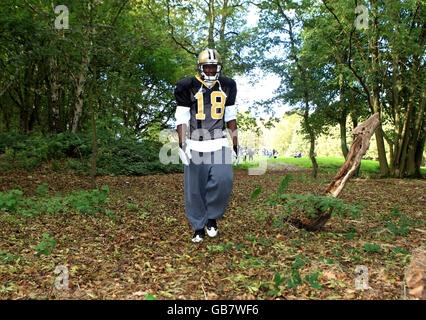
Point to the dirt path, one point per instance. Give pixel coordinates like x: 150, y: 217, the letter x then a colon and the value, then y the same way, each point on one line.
x: 281, y: 166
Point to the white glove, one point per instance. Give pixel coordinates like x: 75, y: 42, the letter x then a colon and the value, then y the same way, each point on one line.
x: 184, y: 154
x: 236, y: 157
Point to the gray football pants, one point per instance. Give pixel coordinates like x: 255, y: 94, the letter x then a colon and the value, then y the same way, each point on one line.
x: 208, y: 181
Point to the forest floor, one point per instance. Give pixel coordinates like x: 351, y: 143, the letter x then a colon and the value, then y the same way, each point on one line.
x: 139, y: 246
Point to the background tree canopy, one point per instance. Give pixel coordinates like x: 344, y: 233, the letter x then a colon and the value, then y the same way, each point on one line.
x: 119, y: 60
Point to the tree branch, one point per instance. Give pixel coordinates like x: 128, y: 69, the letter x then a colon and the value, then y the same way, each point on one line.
x: 119, y: 11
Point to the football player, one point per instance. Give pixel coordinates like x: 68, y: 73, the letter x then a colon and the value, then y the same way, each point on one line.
x: 205, y: 109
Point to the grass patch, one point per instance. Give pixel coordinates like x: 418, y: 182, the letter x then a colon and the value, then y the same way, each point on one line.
x: 367, y: 166
x: 326, y: 164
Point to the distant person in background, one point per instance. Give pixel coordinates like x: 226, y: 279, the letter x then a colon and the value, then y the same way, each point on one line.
x: 275, y: 153
x: 297, y: 154
x: 245, y: 154
x: 251, y: 154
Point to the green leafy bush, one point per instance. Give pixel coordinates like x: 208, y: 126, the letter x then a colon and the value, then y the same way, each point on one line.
x: 124, y: 155
x: 310, y: 204
x: 83, y: 201
x: 88, y: 202
x: 9, y: 201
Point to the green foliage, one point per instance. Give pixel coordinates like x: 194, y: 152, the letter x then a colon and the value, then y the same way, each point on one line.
x: 140, y: 84
x: 41, y: 190
x: 312, y: 279
x: 278, y: 279
x: 29, y: 151
x: 327, y: 260
x: 150, y: 297
x: 30, y: 207
x: 310, y: 204
x: 400, y: 230
x: 9, y: 201
x: 132, y: 206
x: 295, y: 280
x: 400, y: 250
x: 284, y: 183
x: 46, y: 245
x: 372, y: 247
x: 124, y: 155
x: 260, y: 214
x: 83, y: 201
x: 6, y: 257
x: 397, y: 223
x: 88, y: 202
x: 255, y: 194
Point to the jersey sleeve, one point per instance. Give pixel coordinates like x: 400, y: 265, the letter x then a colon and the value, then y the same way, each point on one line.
x: 182, y: 95
x: 230, y: 101
x: 230, y: 113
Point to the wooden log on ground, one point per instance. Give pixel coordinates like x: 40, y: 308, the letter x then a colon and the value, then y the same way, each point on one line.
x: 415, y: 275
x: 362, y: 135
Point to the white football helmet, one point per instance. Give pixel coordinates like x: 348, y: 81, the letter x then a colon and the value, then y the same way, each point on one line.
x: 209, y: 57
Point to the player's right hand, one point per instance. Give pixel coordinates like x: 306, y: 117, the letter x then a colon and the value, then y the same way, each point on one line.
x: 182, y: 155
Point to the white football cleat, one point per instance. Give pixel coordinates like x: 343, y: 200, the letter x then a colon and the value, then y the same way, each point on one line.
x: 211, y: 228
x: 198, y: 236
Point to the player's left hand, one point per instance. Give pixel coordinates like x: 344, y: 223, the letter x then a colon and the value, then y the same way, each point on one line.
x: 184, y: 154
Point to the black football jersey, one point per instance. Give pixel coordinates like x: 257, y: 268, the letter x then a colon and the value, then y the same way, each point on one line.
x: 207, y: 105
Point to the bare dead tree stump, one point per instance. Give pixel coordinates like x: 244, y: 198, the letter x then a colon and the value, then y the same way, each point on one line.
x: 362, y: 135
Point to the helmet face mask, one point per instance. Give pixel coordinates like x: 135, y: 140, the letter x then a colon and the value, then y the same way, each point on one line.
x: 208, y: 59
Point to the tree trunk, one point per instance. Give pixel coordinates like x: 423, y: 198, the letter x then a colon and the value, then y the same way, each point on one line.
x: 405, y: 148
x: 384, y: 169
x: 342, y: 118
x: 223, y: 21
x: 343, y: 142
x: 222, y: 38
x: 312, y: 156
x: 54, y: 96
x: 26, y: 99
x: 79, y: 89
x: 419, y: 156
x: 6, y: 117
x: 95, y: 148
x: 416, y: 144
x: 211, y: 24
x: 302, y: 70
x: 311, y: 141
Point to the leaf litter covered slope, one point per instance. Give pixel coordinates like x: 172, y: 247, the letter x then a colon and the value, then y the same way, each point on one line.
x: 142, y: 246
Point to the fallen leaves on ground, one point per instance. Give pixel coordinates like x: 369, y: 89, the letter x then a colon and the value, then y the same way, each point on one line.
x: 143, y: 250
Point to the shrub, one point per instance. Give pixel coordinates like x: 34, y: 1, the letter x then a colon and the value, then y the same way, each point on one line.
x: 310, y: 204
x: 116, y: 155
x: 9, y: 201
